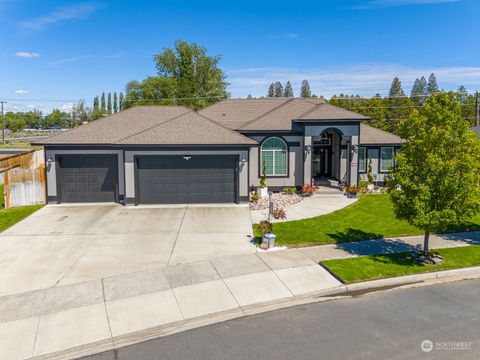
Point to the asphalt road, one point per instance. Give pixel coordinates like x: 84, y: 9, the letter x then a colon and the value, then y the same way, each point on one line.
x: 384, y: 325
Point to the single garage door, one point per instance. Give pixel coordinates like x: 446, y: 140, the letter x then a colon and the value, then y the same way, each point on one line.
x: 87, y: 178
x: 186, y: 179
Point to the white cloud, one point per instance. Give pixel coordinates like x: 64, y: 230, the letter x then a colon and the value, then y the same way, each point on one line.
x: 372, y: 4
x: 70, y: 60
x: 21, y: 92
x: 67, y: 107
x: 363, y: 79
x: 77, y: 11
x: 27, y: 54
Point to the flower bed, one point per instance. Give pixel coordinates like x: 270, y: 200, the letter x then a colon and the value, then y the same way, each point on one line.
x: 280, y: 200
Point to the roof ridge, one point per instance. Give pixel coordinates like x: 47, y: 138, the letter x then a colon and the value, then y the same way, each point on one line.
x: 315, y: 107
x: 224, y: 127
x: 267, y: 112
x: 154, y: 126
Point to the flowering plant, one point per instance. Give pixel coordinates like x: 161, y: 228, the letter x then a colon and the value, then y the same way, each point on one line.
x: 308, y: 189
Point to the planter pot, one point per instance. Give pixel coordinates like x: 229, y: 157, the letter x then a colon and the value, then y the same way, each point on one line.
x: 268, y: 240
x: 370, y: 187
x: 352, y: 195
x: 307, y: 194
x: 262, y: 192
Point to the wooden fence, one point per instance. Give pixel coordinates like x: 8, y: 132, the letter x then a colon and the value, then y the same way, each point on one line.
x: 24, y: 178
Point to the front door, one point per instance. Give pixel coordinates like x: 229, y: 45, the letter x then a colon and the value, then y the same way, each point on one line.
x: 322, y: 158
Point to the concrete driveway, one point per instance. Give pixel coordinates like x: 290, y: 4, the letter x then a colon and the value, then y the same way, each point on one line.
x: 61, y: 245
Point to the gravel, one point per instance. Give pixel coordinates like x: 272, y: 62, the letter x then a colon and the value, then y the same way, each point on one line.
x: 280, y: 200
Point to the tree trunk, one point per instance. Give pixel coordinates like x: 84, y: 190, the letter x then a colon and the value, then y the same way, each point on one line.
x: 426, y: 240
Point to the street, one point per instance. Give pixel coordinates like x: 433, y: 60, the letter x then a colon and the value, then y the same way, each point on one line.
x: 383, y: 325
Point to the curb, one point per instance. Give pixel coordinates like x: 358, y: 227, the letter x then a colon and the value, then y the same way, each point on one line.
x: 357, y: 289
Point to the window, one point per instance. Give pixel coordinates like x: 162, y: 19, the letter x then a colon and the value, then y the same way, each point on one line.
x: 274, y: 153
x: 362, y: 161
x: 386, y: 159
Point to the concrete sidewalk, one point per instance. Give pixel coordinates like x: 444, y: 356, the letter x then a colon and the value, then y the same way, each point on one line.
x: 100, y: 314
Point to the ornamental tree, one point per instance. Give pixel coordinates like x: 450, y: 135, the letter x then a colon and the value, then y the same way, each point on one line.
x: 436, y: 179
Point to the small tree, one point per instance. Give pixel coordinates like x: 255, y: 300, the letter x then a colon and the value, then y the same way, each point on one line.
x: 115, y: 103
x: 432, y: 86
x: 288, y: 92
x: 305, y: 89
x: 436, y: 182
x: 271, y: 90
x: 278, y: 89
x: 263, y: 179
x: 103, y: 106
x: 121, y: 102
x: 109, y: 104
x: 370, y: 174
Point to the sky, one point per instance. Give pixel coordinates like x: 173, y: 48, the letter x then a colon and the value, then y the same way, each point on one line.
x: 53, y: 53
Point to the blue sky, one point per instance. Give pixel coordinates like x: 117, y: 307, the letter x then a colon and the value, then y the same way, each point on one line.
x: 68, y: 50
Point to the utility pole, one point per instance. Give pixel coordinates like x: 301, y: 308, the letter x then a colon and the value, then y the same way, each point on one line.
x: 3, y: 121
x: 477, y: 110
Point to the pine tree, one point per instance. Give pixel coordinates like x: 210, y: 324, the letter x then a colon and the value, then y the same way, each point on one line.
x: 271, y: 90
x: 278, y: 89
x: 95, y: 104
x: 103, y: 105
x: 432, y: 86
x: 115, y: 103
x: 109, y: 104
x: 305, y: 90
x: 121, y: 102
x: 419, y: 90
x: 415, y: 87
x: 288, y: 92
x: 396, y: 88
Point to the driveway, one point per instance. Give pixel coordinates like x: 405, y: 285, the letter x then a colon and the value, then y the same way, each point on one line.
x: 61, y: 245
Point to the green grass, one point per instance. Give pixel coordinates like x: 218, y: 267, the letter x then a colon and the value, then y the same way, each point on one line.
x: 9, y: 217
x: 390, y: 265
x: 11, y: 144
x: 371, y: 217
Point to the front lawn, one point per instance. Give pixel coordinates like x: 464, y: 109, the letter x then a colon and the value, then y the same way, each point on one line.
x: 9, y: 217
x: 391, y: 265
x: 371, y: 217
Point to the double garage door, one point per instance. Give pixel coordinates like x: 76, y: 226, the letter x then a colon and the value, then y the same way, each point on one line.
x: 162, y: 179
x: 179, y: 179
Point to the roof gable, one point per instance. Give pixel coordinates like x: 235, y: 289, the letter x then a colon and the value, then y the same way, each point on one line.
x: 370, y: 135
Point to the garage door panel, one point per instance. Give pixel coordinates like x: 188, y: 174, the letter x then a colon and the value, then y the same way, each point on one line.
x: 175, y: 180
x: 88, y: 178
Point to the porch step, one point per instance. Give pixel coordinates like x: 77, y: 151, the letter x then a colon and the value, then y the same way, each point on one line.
x: 328, y: 190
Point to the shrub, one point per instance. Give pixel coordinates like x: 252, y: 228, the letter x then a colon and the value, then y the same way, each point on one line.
x: 289, y: 190
x: 263, y: 179
x: 254, y: 197
x: 369, y: 174
x: 279, y: 214
x: 308, y: 189
x: 265, y: 226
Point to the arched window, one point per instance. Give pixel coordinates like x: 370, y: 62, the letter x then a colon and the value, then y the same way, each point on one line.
x: 274, y: 153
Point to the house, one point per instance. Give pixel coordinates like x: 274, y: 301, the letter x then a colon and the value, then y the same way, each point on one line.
x: 171, y: 154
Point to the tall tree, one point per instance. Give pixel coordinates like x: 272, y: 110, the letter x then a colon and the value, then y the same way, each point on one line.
x: 103, y: 106
x: 288, y: 92
x: 271, y: 90
x: 396, y: 88
x: 196, y: 76
x: 109, y: 104
x: 432, y: 86
x: 121, y: 101
x: 278, y: 89
x: 305, y: 89
x: 115, y: 103
x: 96, y: 106
x: 435, y: 181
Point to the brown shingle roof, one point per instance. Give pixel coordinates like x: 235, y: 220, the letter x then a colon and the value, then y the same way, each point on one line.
x: 110, y: 129
x: 274, y: 113
x: 370, y: 135
x: 151, y: 125
x: 187, y: 129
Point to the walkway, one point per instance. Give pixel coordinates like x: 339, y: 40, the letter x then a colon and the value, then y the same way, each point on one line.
x: 309, y: 207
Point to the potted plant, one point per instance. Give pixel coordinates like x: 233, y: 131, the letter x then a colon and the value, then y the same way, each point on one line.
x: 262, y: 190
x: 308, y: 190
x: 352, y: 191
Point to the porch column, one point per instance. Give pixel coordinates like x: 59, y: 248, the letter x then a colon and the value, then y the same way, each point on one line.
x: 354, y: 161
x: 307, y: 162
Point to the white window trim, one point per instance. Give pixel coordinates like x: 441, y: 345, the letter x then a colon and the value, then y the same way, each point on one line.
x: 393, y: 158
x: 274, y: 157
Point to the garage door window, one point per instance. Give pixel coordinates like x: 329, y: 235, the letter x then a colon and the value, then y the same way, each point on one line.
x: 274, y: 153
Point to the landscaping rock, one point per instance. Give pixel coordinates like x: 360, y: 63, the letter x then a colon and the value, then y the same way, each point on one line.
x: 280, y: 200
